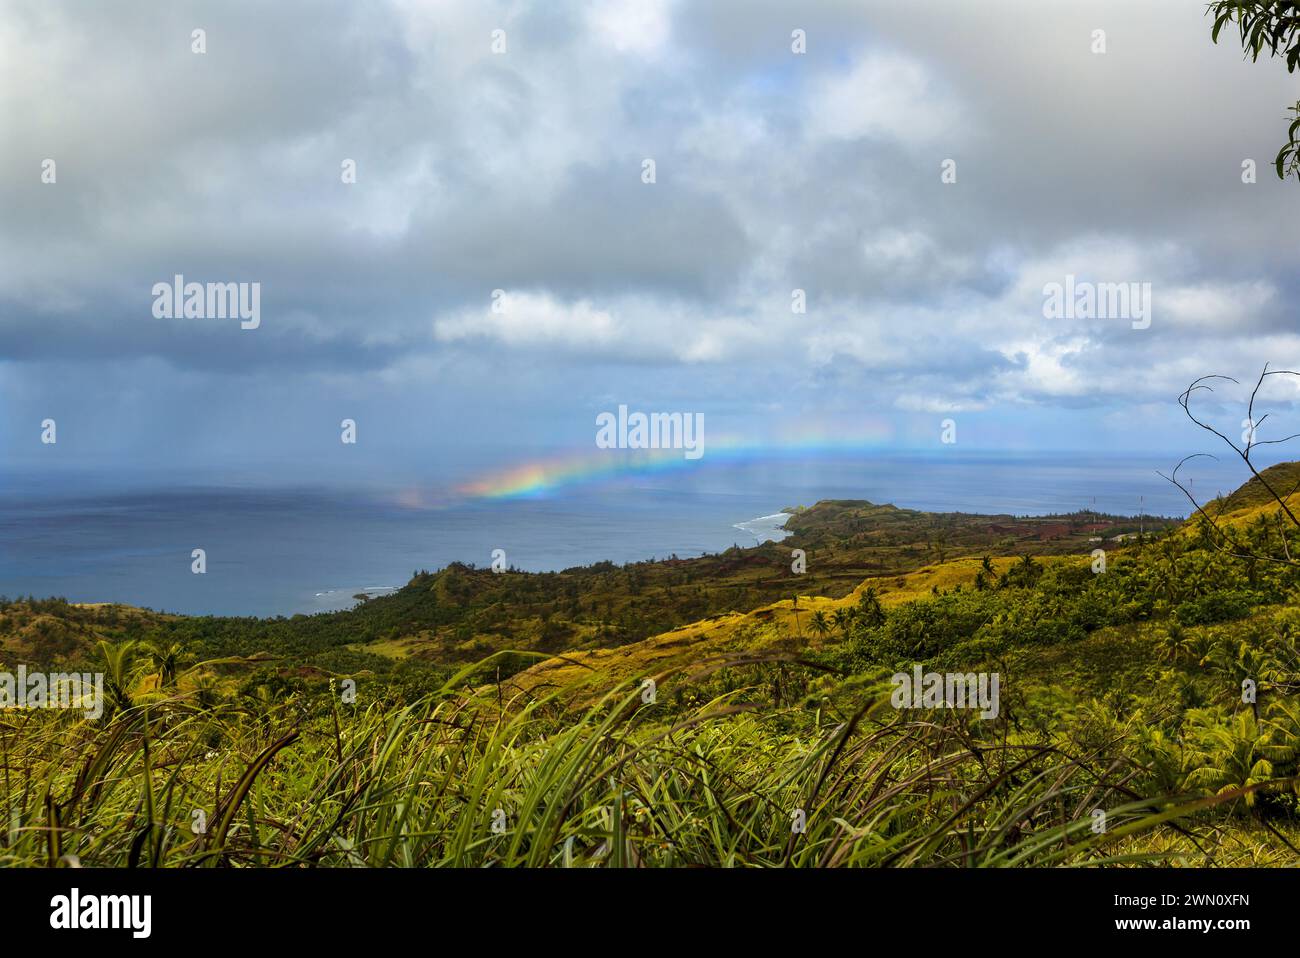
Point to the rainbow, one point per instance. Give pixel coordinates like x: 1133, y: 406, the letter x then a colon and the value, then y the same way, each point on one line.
x: 542, y: 476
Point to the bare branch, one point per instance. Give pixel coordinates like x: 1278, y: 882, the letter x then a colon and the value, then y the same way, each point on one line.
x: 1203, y: 383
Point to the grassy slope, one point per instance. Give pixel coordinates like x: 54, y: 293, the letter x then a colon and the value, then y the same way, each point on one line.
x: 1284, y: 478
x: 776, y: 627
x: 462, y: 614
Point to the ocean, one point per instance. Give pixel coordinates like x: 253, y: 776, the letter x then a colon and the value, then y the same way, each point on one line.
x: 283, y: 551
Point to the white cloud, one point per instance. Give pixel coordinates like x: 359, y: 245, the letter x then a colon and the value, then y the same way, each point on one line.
x: 931, y: 403
x: 884, y: 95
x: 1215, y: 306
x: 532, y: 319
x: 642, y: 27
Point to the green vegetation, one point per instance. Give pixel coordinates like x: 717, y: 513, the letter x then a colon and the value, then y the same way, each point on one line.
x: 1272, y: 27
x: 480, y: 719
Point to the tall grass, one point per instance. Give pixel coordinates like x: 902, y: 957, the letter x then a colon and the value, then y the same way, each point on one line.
x: 458, y: 780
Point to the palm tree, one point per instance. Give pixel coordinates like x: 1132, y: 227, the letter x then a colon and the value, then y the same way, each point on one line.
x: 1223, y: 756
x: 843, y: 618
x: 871, y: 612
x: 819, y: 623
x: 118, y: 662
x: 1175, y: 645
x: 165, y: 659
x: 1024, y: 573
x: 207, y: 691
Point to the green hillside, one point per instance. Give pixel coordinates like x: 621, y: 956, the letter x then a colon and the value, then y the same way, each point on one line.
x: 462, y: 613
x: 1283, y: 479
x: 684, y: 711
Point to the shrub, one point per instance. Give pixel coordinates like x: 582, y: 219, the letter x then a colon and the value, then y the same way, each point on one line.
x: 1215, y: 607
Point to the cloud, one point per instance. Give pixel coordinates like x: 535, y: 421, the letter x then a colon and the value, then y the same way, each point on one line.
x: 521, y: 171
x: 885, y: 96
x: 530, y: 319
x: 642, y: 27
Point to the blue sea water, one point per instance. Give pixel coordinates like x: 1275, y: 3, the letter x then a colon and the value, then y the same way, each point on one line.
x: 283, y: 551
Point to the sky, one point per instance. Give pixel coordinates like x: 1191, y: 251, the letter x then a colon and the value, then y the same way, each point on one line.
x: 515, y: 161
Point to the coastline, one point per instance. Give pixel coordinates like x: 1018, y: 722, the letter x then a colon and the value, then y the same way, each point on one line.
x: 766, y: 528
